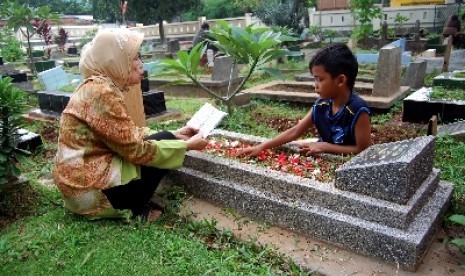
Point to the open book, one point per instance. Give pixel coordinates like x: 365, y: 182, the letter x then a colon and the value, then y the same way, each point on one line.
x: 206, y: 119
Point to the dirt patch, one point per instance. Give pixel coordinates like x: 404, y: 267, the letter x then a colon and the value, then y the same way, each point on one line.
x: 320, y: 256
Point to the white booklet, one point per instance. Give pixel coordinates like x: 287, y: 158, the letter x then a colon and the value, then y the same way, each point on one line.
x: 206, y: 119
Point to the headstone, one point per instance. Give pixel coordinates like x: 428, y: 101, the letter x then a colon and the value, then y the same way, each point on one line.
x: 44, y: 65
x: 445, y: 66
x: 159, y: 54
x: 1, y: 60
x: 222, y: 69
x: 455, y: 129
x: 391, y: 171
x: 173, y: 46
x: 387, y: 79
x: 384, y: 31
x: 430, y: 53
x: 154, y: 102
x: 7, y: 68
x: 433, y: 126
x: 144, y: 84
x: 17, y: 77
x: 53, y: 79
x: 28, y: 140
x: 53, y: 102
x: 415, y: 75
x: 72, y: 50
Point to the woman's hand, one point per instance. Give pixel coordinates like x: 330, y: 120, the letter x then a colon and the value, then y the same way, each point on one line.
x: 185, y: 133
x: 196, y: 142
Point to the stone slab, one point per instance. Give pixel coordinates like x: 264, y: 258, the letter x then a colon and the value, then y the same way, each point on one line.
x: 284, y: 200
x: 53, y: 101
x: 348, y: 219
x: 450, y: 80
x: 415, y: 75
x: 390, y: 171
x: 418, y: 108
x: 154, y: 102
x: 53, y: 79
x: 28, y: 140
x: 455, y: 129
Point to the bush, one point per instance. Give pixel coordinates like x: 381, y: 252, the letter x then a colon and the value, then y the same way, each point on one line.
x: 12, y: 106
x: 10, y: 47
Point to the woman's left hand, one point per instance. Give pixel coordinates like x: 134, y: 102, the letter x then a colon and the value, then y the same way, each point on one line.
x: 185, y: 133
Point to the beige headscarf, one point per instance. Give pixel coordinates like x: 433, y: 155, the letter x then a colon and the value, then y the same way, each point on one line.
x: 109, y: 56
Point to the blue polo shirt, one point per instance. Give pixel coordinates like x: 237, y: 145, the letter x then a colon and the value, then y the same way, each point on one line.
x: 340, y: 127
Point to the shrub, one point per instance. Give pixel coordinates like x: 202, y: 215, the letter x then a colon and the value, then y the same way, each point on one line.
x: 61, y: 38
x: 12, y: 105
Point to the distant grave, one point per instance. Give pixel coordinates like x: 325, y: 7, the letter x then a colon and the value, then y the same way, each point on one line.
x: 382, y: 93
x: 419, y: 108
x: 19, y: 78
x: 387, y: 202
x: 218, y: 82
x: 452, y: 80
x: 455, y: 129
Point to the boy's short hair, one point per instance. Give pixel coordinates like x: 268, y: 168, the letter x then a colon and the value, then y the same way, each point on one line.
x: 337, y: 59
x: 205, y: 26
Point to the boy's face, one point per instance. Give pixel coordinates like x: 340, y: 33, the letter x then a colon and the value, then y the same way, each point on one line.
x: 325, y: 85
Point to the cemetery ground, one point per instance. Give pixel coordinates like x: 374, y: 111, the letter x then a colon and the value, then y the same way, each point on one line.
x: 194, y: 237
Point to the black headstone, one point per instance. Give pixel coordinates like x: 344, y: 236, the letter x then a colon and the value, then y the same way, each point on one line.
x: 1, y: 60
x: 154, y: 102
x: 72, y: 50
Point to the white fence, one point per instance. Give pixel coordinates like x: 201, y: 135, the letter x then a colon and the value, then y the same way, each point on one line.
x: 342, y: 20
x: 172, y: 30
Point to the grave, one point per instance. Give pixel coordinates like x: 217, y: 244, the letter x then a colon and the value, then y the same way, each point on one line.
x: 369, y: 222
x: 28, y: 140
x: 381, y: 94
x: 451, y: 80
x: 455, y: 129
x: 415, y: 75
x: 43, y: 65
x: 419, y: 108
x: 72, y: 50
x: 19, y: 78
x: 406, y: 56
x: 56, y: 77
x: 218, y: 83
x: 1, y: 60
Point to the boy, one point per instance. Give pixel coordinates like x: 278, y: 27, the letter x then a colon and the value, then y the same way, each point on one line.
x: 340, y: 116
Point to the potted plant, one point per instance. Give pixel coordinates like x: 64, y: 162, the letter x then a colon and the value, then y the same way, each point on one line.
x: 11, y: 110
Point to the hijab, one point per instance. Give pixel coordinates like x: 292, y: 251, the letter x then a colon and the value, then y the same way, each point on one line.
x: 109, y: 56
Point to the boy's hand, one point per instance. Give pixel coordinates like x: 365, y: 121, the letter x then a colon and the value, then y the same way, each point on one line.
x: 250, y: 151
x: 196, y: 142
x: 185, y: 133
x: 312, y: 148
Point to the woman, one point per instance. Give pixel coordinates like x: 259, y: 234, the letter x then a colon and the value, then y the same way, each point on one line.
x: 106, y: 166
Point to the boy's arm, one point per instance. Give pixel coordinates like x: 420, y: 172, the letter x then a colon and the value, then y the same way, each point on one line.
x: 287, y: 136
x: 362, y: 138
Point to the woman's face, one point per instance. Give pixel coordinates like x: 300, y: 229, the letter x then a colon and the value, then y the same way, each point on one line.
x: 136, y: 73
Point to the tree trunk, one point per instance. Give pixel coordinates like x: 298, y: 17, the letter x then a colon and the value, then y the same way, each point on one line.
x: 161, y: 30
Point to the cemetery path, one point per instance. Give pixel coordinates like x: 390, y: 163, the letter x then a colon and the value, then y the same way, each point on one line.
x: 321, y: 257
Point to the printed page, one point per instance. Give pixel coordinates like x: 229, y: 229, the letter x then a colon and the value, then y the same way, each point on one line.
x: 206, y: 119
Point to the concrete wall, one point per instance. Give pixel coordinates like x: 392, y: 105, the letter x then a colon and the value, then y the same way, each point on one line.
x: 341, y: 20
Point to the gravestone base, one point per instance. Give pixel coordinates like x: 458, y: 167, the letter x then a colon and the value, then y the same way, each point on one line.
x: 28, y: 140
x: 304, y: 93
x: 154, y: 103
x: 449, y: 80
x: 418, y: 108
x: 395, y: 233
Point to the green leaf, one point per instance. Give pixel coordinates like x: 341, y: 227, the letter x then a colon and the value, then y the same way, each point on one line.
x: 460, y: 243
x: 460, y: 219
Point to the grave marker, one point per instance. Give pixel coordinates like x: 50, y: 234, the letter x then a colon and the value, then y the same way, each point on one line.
x: 222, y: 69
x: 391, y: 171
x: 387, y: 79
x: 415, y: 75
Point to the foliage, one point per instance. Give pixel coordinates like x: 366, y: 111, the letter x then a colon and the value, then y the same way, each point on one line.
x: 11, y: 109
x: 10, y: 47
x: 460, y: 74
x: 460, y: 220
x: 62, y: 6
x: 288, y: 13
x: 214, y: 9
x: 449, y: 159
x: 247, y: 5
x: 61, y: 38
x: 364, y: 12
x: 44, y: 30
x: 21, y: 17
x: 252, y: 46
x: 330, y: 33
x: 88, y: 36
x: 429, y: 77
x: 442, y: 93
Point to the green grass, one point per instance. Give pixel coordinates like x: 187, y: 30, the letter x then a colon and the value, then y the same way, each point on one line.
x: 442, y: 93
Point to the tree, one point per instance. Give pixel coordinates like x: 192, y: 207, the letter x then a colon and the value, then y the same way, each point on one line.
x: 215, y: 9
x: 22, y: 17
x: 149, y: 11
x: 284, y: 13
x: 252, y: 46
x: 61, y: 6
x: 364, y: 11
